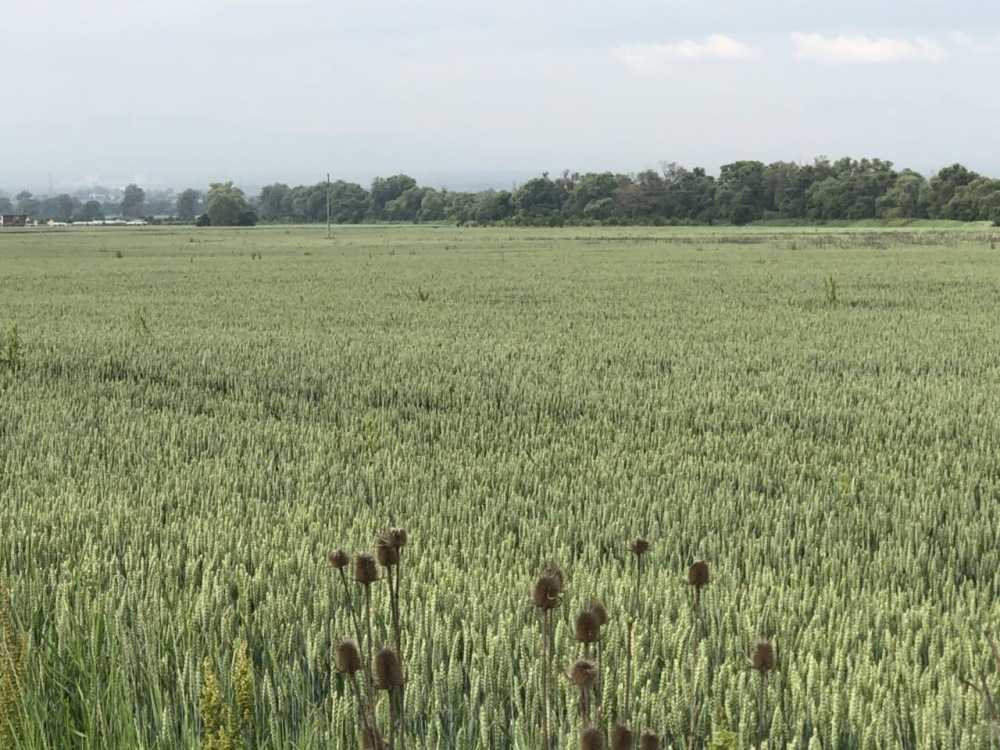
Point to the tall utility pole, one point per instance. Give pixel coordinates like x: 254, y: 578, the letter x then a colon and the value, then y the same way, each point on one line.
x: 329, y: 231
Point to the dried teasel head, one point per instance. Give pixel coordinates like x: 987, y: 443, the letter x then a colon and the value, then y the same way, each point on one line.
x: 592, y: 739
x: 547, y: 591
x: 698, y: 574
x: 583, y: 673
x: 395, y: 536
x: 553, y: 570
x: 372, y: 740
x: 622, y: 738
x: 598, y: 610
x: 365, y: 571
x: 762, y: 656
x: 348, y: 657
x: 649, y: 741
x: 386, y: 670
x: 386, y: 554
x: 639, y: 546
x: 339, y: 559
x: 587, y: 627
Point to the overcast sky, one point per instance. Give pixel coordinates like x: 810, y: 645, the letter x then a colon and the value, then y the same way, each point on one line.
x: 180, y: 92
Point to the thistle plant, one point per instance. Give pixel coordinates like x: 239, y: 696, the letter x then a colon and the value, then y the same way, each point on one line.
x: 365, y: 574
x: 698, y: 577
x: 649, y: 741
x: 763, y: 660
x: 622, y: 738
x: 600, y: 616
x: 592, y: 738
x: 546, y: 595
x: 389, y: 553
x: 639, y: 547
x: 388, y: 675
x: 583, y: 675
x: 339, y: 560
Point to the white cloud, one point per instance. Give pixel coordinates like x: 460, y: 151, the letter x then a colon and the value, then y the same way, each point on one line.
x: 976, y: 43
x: 649, y: 58
x: 865, y: 49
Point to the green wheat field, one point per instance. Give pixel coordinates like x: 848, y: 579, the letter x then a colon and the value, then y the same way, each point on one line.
x: 191, y: 420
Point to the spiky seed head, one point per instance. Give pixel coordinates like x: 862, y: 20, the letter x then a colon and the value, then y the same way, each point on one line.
x: 365, y: 571
x: 592, y: 739
x: 552, y: 569
x: 547, y: 592
x: 583, y: 673
x: 588, y: 629
x: 339, y: 559
x: 396, y: 537
x: 698, y: 574
x: 386, y: 554
x: 598, y: 610
x: 622, y: 738
x: 639, y: 546
x: 762, y: 656
x: 387, y: 671
x: 649, y: 741
x: 348, y: 657
x: 372, y: 740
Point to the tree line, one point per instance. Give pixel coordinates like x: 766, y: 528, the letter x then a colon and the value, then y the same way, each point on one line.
x: 742, y: 193
x: 223, y: 204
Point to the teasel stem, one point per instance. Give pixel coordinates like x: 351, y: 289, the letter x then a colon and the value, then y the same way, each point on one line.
x: 350, y: 606
x: 395, y: 574
x: 638, y: 547
x: 396, y: 717
x: 599, y: 686
x: 628, y: 672
x: 693, y: 708
x: 761, y: 698
x: 368, y: 644
x: 367, y: 716
x: 698, y: 577
x: 585, y: 706
x: 357, y: 634
x: 546, y: 676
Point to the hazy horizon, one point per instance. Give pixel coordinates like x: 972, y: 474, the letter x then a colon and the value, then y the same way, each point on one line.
x: 462, y: 95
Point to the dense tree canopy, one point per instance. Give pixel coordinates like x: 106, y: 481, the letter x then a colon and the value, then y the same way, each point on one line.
x: 189, y: 205
x: 133, y: 202
x: 743, y: 192
x: 228, y: 207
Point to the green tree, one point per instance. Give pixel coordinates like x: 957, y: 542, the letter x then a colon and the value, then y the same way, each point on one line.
x: 431, y: 206
x: 387, y: 189
x: 906, y: 199
x: 26, y: 203
x: 943, y: 187
x: 90, y: 211
x: 494, y: 206
x: 406, y: 206
x: 274, y: 202
x: 133, y: 202
x: 349, y: 202
x: 6, y: 206
x: 740, y: 192
x: 975, y: 201
x: 538, y: 201
x: 59, y: 207
x: 593, y: 188
x: 227, y: 206
x: 189, y: 205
